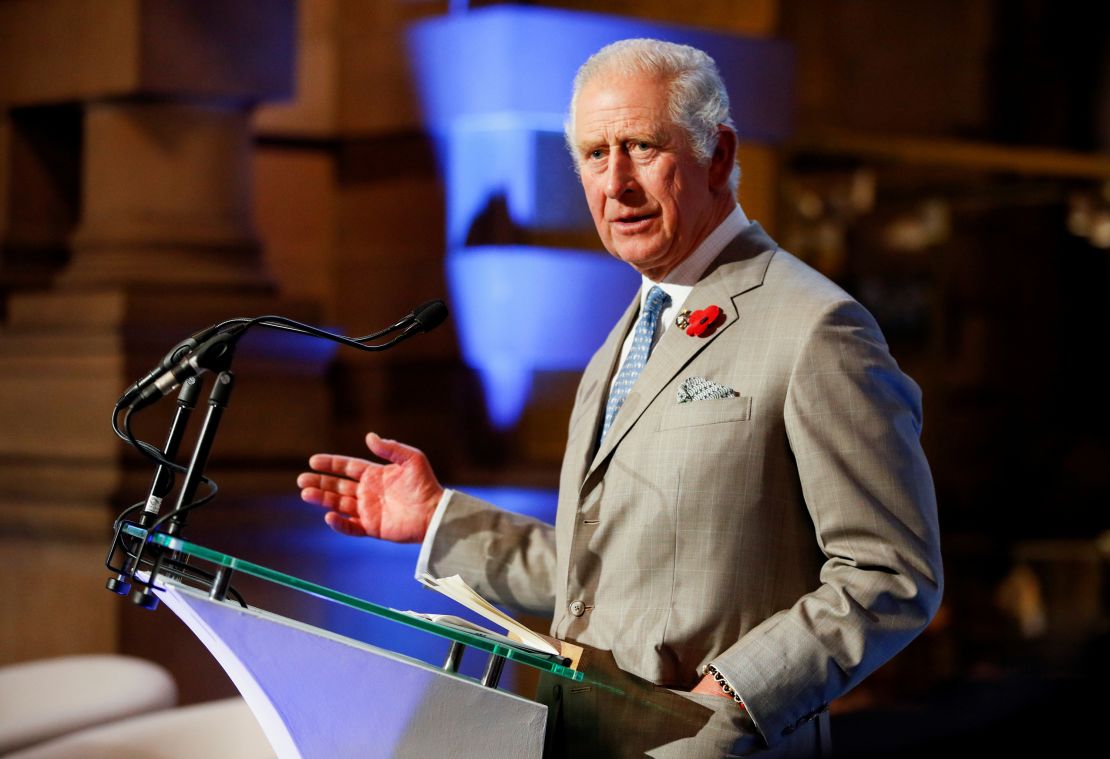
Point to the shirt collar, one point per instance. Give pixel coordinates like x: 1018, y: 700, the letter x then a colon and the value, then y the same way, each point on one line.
x: 681, y: 279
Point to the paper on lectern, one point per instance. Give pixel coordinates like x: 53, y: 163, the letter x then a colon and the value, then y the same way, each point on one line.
x: 455, y: 588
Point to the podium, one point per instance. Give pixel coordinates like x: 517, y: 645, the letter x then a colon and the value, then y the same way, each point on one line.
x: 319, y: 694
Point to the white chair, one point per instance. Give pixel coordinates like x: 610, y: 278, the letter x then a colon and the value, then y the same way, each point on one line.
x: 214, y: 730
x: 41, y: 700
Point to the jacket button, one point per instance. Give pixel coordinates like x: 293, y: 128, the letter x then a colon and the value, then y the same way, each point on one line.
x: 577, y: 608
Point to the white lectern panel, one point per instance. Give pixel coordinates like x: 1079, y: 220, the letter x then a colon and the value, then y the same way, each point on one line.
x: 318, y: 694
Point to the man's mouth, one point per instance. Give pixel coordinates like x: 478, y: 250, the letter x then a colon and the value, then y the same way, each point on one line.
x: 633, y: 222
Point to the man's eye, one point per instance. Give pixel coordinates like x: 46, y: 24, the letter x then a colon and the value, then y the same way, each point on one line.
x: 596, y: 154
x: 641, y: 145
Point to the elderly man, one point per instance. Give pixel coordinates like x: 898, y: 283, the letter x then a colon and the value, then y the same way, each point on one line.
x: 746, y: 524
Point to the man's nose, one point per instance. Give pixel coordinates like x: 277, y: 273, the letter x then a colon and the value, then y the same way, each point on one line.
x: 620, y: 177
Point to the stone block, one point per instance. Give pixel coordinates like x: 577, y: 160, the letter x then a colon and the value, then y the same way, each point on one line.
x: 74, y: 50
x: 294, y: 211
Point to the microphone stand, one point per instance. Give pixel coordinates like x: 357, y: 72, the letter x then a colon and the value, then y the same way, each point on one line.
x: 161, y: 485
x: 218, y: 399
x: 163, y: 476
x: 217, y: 403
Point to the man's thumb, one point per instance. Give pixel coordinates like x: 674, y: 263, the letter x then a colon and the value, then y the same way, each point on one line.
x: 390, y: 450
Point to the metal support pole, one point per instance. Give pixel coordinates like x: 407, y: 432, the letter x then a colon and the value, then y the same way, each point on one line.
x: 220, y: 584
x: 493, y: 671
x: 454, y: 656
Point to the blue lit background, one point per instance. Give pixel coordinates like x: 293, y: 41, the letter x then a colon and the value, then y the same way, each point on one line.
x: 494, y: 85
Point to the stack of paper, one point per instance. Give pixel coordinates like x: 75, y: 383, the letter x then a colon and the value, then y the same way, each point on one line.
x: 455, y: 588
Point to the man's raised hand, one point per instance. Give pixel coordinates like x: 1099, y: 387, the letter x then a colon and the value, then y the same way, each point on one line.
x: 393, y: 501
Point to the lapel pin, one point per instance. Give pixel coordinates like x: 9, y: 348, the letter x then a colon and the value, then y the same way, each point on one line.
x: 682, y: 321
x: 702, y: 322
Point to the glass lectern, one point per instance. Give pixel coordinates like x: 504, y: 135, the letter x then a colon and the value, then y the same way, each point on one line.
x: 317, y: 693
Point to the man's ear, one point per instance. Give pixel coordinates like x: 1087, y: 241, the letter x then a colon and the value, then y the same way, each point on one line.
x: 723, y: 158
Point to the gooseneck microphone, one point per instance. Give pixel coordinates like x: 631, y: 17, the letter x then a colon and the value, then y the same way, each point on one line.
x: 211, y: 347
x: 424, y: 318
x: 177, y: 354
x: 429, y: 315
x: 208, y: 350
x: 212, y: 354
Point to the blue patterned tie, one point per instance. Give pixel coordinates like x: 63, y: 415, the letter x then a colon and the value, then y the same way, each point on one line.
x: 657, y: 300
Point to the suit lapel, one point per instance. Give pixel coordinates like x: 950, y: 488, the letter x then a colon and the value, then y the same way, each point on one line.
x: 740, y: 268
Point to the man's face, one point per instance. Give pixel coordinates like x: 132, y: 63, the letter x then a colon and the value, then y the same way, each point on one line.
x: 651, y: 202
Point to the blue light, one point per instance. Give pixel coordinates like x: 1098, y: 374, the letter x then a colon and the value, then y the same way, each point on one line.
x: 494, y: 85
x: 527, y: 308
x: 512, y: 170
x: 522, y: 60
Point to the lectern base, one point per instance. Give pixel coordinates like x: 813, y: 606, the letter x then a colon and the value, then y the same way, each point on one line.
x: 318, y: 694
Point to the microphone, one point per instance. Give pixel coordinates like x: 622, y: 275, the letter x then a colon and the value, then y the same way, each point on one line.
x: 424, y: 318
x: 176, y: 354
x: 213, y: 353
x: 211, y: 347
x: 428, y: 316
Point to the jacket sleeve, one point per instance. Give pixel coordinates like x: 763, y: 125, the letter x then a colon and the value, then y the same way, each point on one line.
x: 853, y: 422
x: 508, y: 558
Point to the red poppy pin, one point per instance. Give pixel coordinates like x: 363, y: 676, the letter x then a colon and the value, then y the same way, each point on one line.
x: 702, y: 322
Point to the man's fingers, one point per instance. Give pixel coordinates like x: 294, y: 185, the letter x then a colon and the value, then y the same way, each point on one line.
x: 343, y: 466
x: 390, y: 450
x: 315, y: 481
x: 344, y: 525
x: 314, y: 495
x: 349, y: 466
x: 329, y: 499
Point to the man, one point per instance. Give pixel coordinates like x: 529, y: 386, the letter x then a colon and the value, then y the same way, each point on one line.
x: 746, y: 524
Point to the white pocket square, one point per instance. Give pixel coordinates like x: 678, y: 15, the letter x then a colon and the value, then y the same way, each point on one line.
x: 702, y: 389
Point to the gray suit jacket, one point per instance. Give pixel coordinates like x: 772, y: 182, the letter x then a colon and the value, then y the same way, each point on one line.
x: 788, y: 535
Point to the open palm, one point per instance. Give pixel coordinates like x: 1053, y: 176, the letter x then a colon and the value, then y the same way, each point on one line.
x: 393, y: 501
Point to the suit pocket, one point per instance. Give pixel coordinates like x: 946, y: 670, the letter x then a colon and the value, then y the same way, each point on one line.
x: 717, y: 727
x: 712, y: 411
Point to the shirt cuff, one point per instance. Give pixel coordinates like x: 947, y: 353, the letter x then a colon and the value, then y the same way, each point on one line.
x: 430, y: 535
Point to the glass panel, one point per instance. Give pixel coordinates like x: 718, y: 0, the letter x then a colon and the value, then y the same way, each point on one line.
x: 507, y: 650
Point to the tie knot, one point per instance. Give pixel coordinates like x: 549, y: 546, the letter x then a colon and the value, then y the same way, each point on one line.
x: 657, y: 300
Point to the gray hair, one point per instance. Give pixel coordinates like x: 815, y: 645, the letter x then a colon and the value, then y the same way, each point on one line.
x: 697, y: 99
